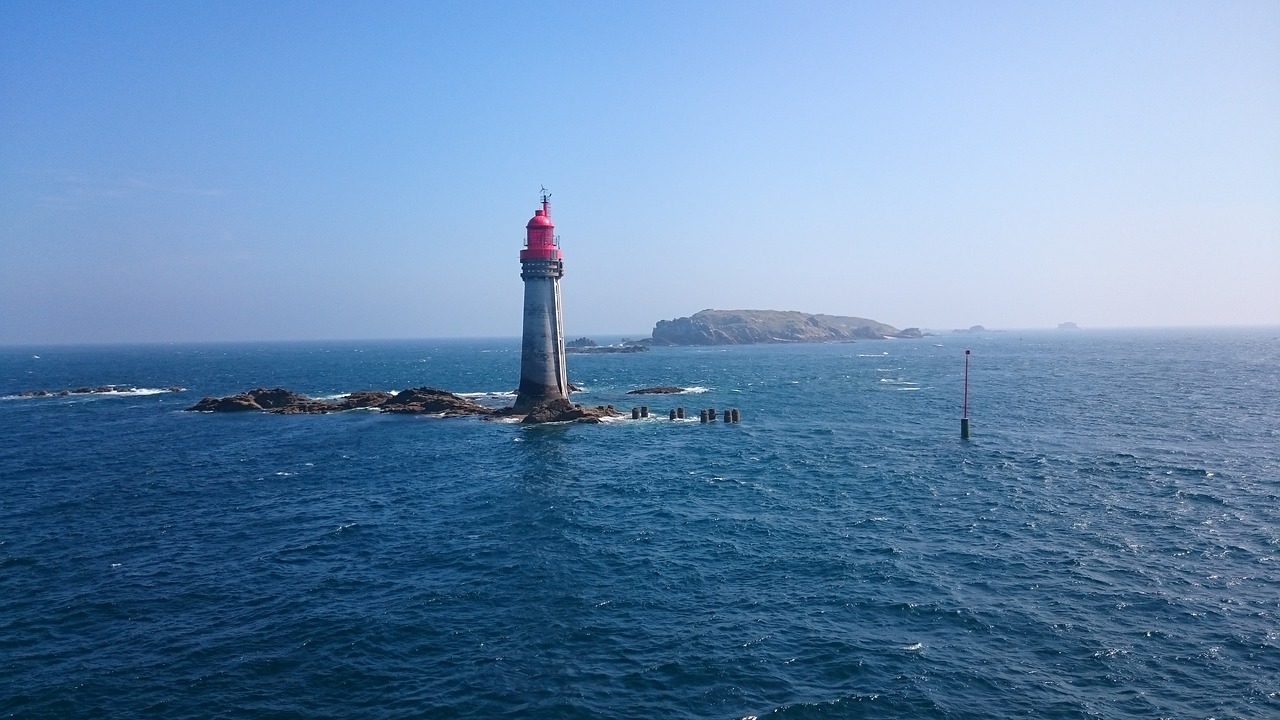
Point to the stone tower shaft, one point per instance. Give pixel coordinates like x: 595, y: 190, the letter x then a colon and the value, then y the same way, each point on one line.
x: 542, y: 372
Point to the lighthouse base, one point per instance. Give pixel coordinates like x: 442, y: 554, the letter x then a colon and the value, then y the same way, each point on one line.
x: 532, y: 394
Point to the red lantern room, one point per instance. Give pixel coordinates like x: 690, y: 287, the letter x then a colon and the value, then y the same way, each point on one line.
x: 540, y: 240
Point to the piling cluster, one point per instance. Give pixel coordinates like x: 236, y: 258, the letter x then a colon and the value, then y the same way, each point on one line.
x: 706, y: 415
x: 709, y: 415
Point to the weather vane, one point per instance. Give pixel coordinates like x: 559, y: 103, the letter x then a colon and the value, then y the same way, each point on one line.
x: 545, y: 195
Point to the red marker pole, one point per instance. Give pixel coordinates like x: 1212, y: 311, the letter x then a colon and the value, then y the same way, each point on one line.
x: 964, y: 420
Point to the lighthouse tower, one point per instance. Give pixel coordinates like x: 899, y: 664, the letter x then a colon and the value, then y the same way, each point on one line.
x: 542, y: 373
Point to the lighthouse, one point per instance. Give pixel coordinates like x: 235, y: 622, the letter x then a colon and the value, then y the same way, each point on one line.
x: 542, y: 373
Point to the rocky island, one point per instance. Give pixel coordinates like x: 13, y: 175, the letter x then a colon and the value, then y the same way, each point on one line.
x: 743, y: 327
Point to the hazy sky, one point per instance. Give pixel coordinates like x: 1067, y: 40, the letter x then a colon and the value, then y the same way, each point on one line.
x: 175, y: 171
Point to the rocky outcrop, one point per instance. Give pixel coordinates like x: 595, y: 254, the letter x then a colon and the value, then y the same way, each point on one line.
x: 564, y: 411
x: 910, y: 333
x: 743, y: 327
x: 277, y: 400
x: 660, y: 390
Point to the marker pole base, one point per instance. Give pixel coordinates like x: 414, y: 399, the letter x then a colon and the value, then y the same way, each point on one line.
x: 964, y: 428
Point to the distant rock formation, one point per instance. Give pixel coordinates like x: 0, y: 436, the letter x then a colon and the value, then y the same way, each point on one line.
x: 605, y: 349
x: 1068, y: 326
x: 94, y: 390
x: 421, y: 400
x: 587, y: 346
x: 972, y: 329
x: 744, y: 327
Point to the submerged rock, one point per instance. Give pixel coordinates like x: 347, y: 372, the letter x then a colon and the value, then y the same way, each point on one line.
x: 660, y: 390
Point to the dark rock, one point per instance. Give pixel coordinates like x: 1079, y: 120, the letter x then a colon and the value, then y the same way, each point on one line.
x: 660, y: 390
x: 276, y: 398
x: 231, y: 403
x: 364, y: 399
x: 582, y: 342
x: 910, y: 333
x: 305, y: 407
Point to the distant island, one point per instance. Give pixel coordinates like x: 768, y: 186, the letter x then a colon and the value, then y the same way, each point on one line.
x: 1068, y: 326
x: 745, y: 327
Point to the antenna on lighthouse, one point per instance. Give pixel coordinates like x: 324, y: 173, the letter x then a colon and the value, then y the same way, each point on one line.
x: 546, y: 196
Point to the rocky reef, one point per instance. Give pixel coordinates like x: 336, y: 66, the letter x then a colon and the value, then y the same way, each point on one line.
x: 743, y: 327
x: 288, y: 402
x: 421, y: 401
x: 93, y: 390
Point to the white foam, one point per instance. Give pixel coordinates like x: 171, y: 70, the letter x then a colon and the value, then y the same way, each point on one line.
x: 490, y: 394
x: 695, y: 390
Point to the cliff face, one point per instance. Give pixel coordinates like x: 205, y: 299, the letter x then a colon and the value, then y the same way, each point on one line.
x: 742, y: 327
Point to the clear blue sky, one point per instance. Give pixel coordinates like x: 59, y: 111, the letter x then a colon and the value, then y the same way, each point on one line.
x: 175, y: 171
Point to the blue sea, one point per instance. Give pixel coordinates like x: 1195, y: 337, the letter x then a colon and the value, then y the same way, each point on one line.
x: 1107, y: 545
